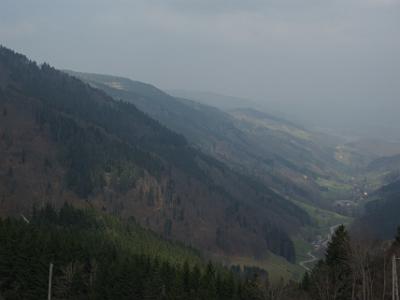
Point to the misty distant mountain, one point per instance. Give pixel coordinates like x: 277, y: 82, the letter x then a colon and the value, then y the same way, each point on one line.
x: 213, y: 99
x: 353, y: 120
x: 280, y: 153
x: 377, y: 147
x: 227, y: 103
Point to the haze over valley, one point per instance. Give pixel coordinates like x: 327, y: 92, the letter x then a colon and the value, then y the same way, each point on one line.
x: 199, y: 150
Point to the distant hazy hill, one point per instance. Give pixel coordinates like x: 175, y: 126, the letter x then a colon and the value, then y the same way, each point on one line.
x: 213, y: 99
x: 283, y: 155
x: 383, y: 170
x: 62, y: 140
x: 385, y: 164
x: 225, y: 102
x: 377, y: 147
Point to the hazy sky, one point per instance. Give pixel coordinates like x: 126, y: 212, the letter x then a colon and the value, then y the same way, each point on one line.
x: 313, y: 58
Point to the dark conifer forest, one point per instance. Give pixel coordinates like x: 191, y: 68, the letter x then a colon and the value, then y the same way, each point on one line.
x: 99, y: 257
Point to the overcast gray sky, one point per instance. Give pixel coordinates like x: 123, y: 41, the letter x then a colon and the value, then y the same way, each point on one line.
x: 318, y: 59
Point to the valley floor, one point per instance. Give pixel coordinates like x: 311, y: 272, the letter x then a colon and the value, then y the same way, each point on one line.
x: 319, y: 245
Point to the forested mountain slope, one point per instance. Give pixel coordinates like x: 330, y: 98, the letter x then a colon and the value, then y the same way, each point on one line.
x: 62, y: 140
x: 283, y: 155
x: 97, y: 256
x: 381, y: 217
x: 385, y: 169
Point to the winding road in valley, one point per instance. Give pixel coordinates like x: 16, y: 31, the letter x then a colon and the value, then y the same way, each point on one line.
x: 320, y: 244
x: 304, y: 263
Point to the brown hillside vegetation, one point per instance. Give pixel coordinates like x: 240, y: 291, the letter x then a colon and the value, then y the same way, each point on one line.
x: 61, y: 140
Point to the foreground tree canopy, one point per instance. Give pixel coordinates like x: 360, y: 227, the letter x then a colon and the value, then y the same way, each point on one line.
x: 100, y: 257
x: 96, y: 256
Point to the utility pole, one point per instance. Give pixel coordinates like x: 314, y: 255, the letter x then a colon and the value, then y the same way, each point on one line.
x: 50, y: 281
x: 25, y: 219
x: 395, y: 282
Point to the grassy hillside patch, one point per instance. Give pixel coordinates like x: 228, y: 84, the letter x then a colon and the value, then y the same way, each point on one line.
x: 277, y: 267
x: 334, y: 186
x: 322, y: 218
x: 302, y: 247
x: 335, y: 189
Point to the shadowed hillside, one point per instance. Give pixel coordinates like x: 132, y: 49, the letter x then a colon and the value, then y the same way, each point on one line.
x: 62, y: 140
x: 381, y: 216
x: 283, y: 155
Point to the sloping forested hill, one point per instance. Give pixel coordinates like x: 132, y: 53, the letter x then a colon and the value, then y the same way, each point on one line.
x: 381, y: 217
x: 96, y: 256
x: 281, y: 154
x: 62, y: 140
